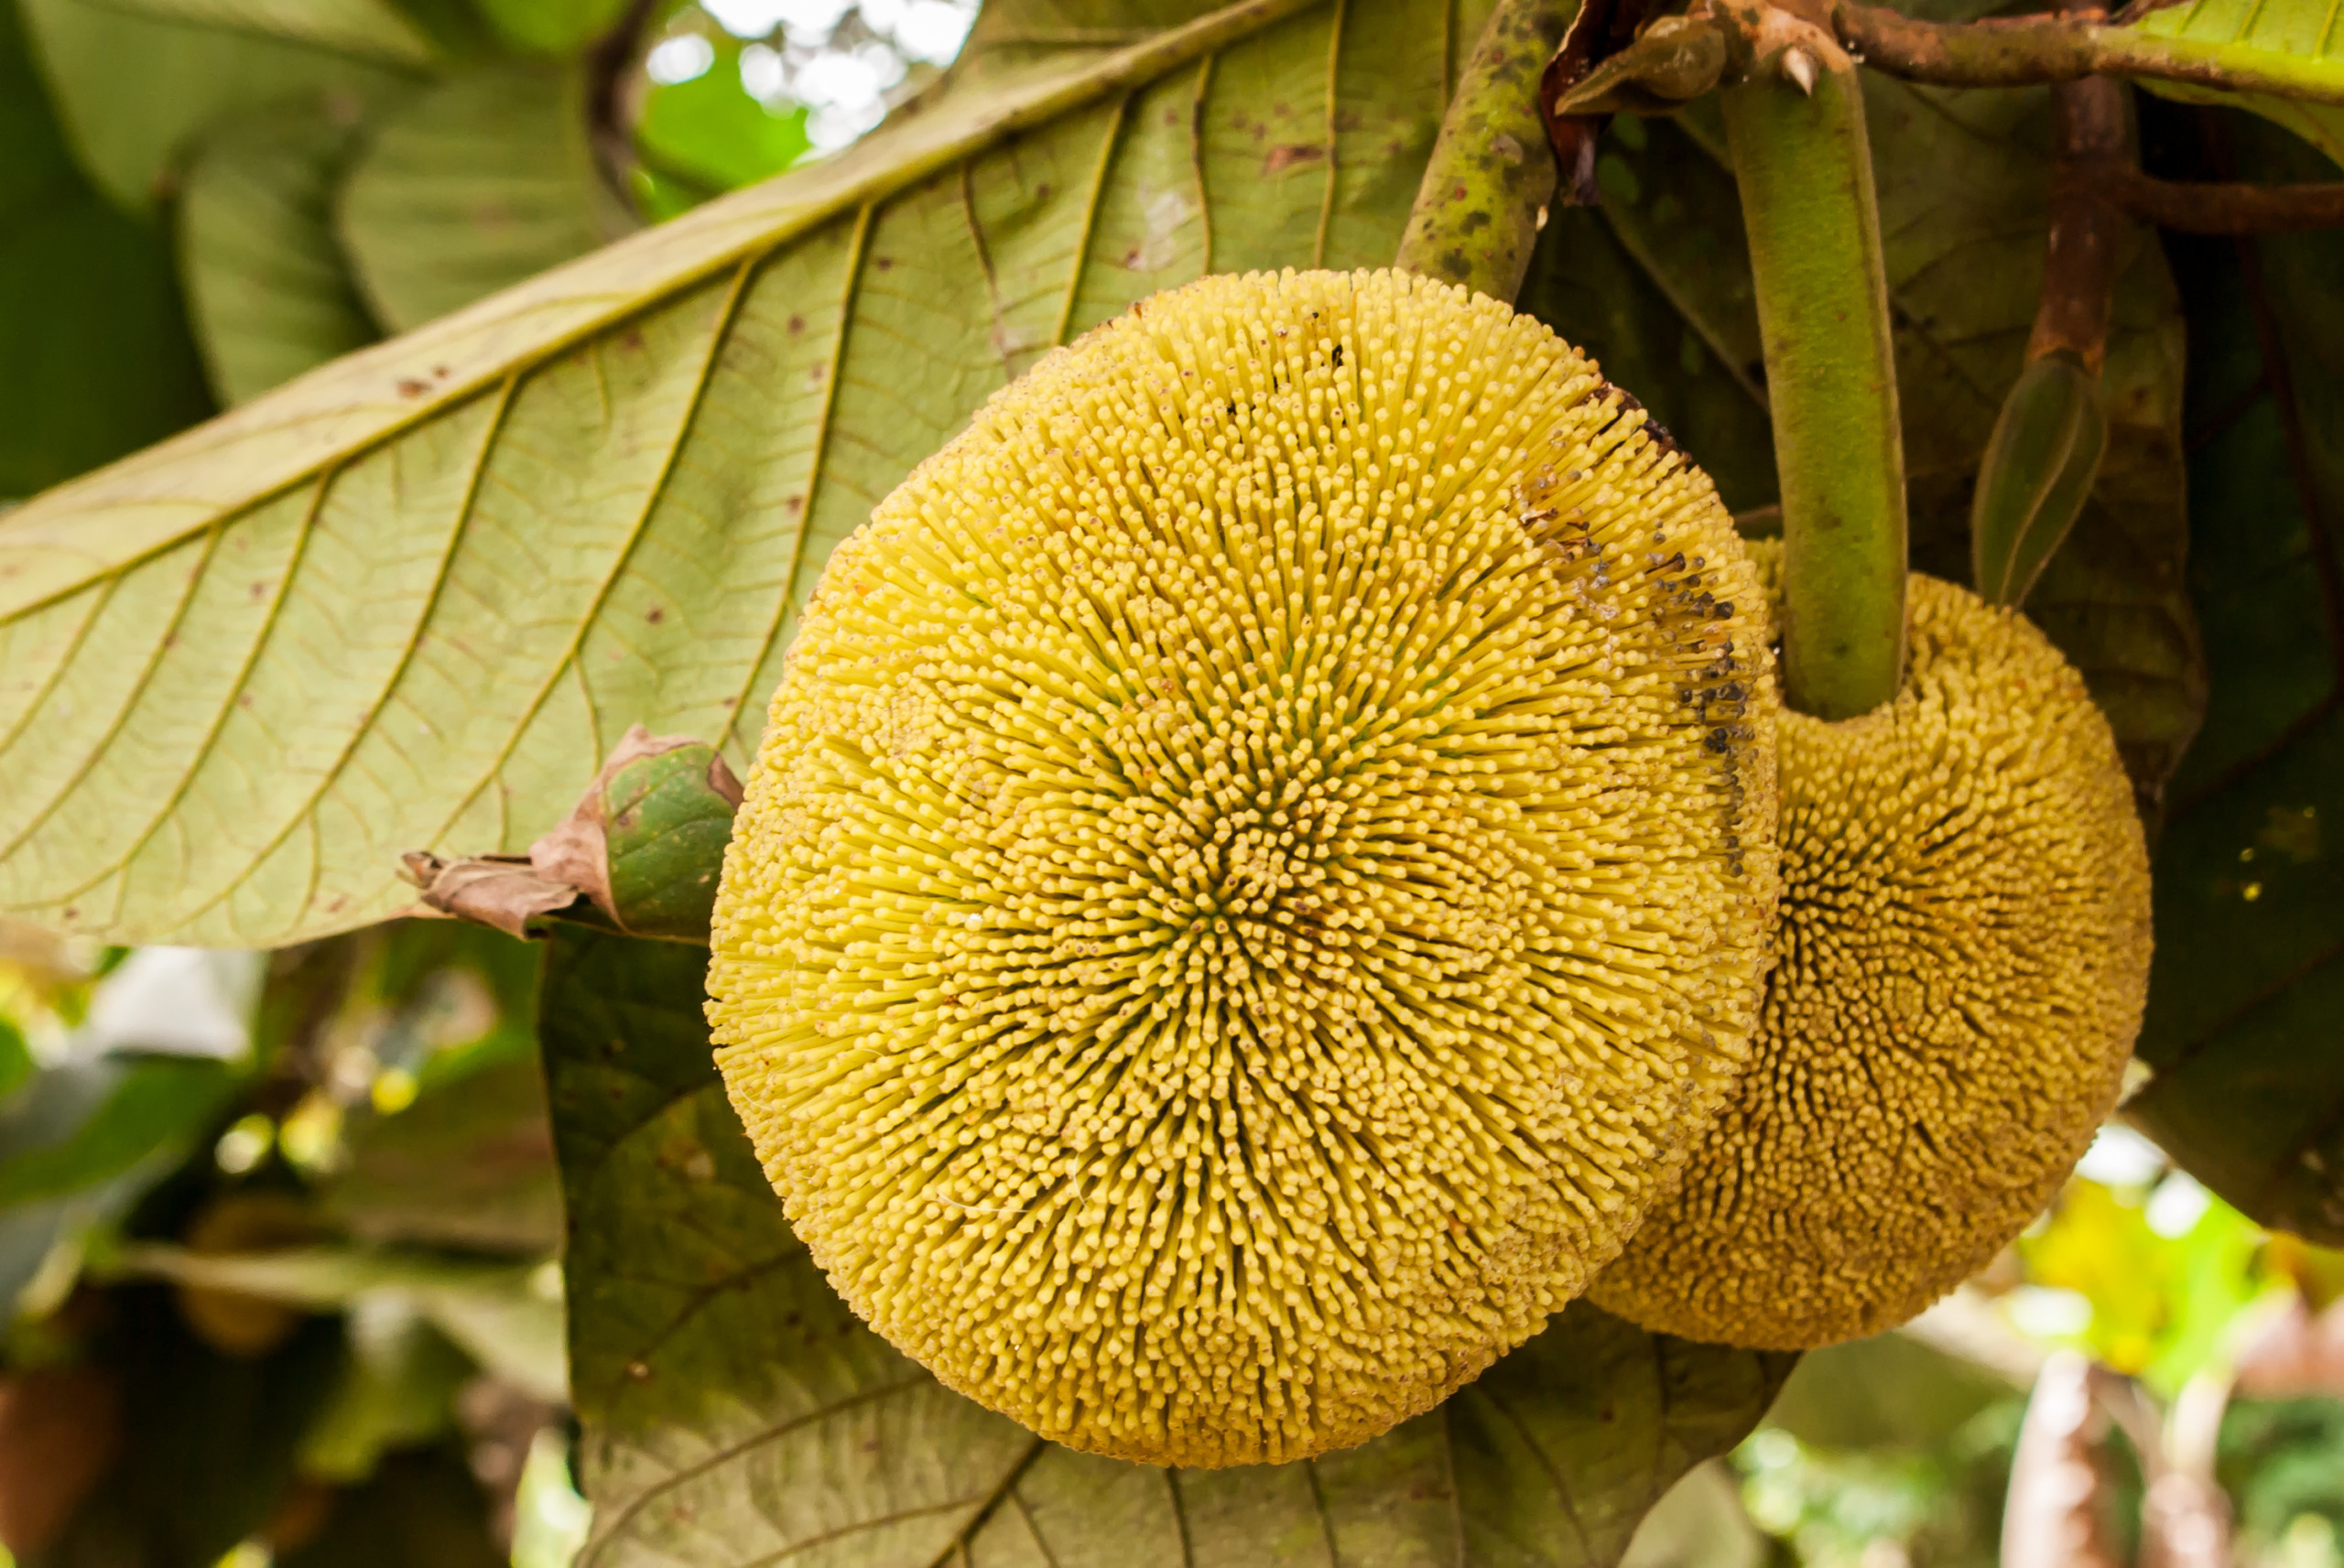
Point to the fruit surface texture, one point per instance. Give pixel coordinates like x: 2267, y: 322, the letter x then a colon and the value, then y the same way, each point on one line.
x: 1964, y: 956
x: 1259, y: 864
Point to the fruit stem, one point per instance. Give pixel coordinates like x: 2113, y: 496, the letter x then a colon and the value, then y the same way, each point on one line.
x: 1492, y: 174
x: 1795, y: 127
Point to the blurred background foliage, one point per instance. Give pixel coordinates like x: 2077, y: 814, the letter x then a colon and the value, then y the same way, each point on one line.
x: 278, y: 1233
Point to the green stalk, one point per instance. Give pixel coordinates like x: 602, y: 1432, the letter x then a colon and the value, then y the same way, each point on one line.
x: 1476, y: 214
x: 1805, y: 172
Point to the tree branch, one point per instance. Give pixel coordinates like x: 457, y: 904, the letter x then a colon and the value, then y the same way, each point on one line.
x: 2026, y: 51
x: 2207, y: 208
x: 2079, y: 272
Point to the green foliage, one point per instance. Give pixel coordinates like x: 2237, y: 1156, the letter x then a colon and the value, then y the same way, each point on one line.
x: 81, y: 1123
x: 2163, y: 1308
x: 1888, y: 1439
x: 134, y: 90
x: 475, y: 184
x: 737, y: 1411
x: 2249, y: 1092
x: 82, y: 1140
x: 103, y: 364
x: 266, y: 1345
x: 2296, y: 42
x: 2279, y: 1460
x: 269, y: 292
x: 468, y: 1168
x: 709, y: 133
x: 1962, y: 182
x: 485, y: 550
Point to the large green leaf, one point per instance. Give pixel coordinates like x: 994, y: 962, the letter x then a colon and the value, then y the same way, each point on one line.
x: 737, y: 1412
x: 2245, y: 1025
x: 134, y: 90
x: 476, y: 184
x: 2298, y: 41
x: 1963, y: 178
x: 98, y: 357
x: 266, y: 283
x: 409, y: 601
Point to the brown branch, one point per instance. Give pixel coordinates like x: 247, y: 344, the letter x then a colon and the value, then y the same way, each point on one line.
x: 2026, y: 51
x: 2079, y: 271
x: 2209, y: 207
x: 2021, y: 51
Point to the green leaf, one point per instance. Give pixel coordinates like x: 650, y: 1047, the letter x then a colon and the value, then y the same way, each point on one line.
x: 2300, y: 43
x: 710, y: 131
x: 409, y: 602
x: 266, y: 284
x: 83, y: 1123
x: 2036, y: 474
x: 1962, y: 182
x: 98, y: 354
x: 372, y: 29
x: 134, y: 92
x: 737, y: 1412
x: 81, y: 1142
x: 476, y: 184
x: 2248, y: 985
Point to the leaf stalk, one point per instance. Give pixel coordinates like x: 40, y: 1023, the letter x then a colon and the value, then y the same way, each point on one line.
x: 1804, y: 165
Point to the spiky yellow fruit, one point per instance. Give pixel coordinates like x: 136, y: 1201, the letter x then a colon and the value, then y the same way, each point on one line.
x: 1260, y: 858
x: 1964, y: 946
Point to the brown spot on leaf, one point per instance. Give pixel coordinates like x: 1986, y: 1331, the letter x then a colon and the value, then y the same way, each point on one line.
x: 655, y: 614
x: 796, y: 325
x: 1286, y: 157
x: 411, y: 387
